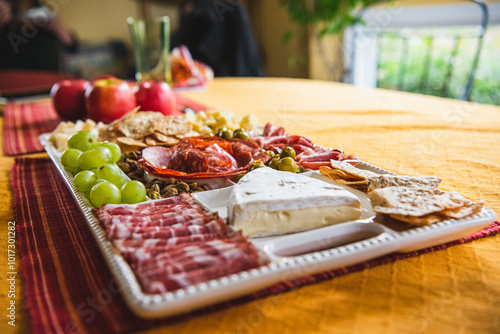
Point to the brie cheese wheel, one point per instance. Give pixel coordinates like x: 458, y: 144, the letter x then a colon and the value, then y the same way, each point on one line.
x: 269, y: 202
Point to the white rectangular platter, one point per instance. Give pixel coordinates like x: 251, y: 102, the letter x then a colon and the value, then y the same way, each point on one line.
x: 295, y: 255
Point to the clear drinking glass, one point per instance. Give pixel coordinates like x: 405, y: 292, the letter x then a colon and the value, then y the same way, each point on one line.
x: 151, y: 42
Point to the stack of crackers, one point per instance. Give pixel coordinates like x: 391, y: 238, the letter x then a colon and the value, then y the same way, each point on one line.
x: 142, y: 129
x: 411, y: 199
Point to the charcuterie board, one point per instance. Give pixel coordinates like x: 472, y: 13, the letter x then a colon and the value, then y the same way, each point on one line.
x: 292, y: 256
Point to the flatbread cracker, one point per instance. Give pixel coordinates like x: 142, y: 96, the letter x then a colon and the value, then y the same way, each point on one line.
x: 415, y: 202
x: 150, y: 141
x: 420, y: 206
x: 141, y: 125
x: 131, y: 142
x: 388, y: 180
x: 465, y: 211
x: 114, y: 124
x: 419, y: 221
x: 171, y: 125
x: 165, y: 140
x: 352, y: 172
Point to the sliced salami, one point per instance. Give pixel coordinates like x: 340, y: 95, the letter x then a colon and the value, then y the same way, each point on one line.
x: 193, y: 158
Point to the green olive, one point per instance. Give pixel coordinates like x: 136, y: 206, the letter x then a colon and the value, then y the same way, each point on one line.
x: 287, y: 152
x: 287, y: 164
x: 273, y: 163
x: 226, y: 134
x: 255, y: 164
x: 241, y: 134
x: 238, y: 177
x: 218, y: 133
x: 270, y: 153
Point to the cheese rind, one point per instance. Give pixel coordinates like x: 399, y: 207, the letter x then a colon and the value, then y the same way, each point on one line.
x: 270, y: 202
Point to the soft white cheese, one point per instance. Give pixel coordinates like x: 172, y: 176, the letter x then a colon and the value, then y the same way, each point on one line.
x: 270, y: 202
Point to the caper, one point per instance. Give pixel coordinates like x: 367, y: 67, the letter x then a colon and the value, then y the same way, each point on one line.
x: 287, y: 164
x: 241, y: 134
x: 287, y: 152
x: 255, y: 164
x: 274, y: 163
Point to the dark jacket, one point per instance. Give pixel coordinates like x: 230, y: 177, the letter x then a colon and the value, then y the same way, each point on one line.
x: 219, y: 34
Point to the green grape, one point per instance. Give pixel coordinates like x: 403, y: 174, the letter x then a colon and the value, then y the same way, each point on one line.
x: 83, y: 180
x: 94, y: 158
x: 133, y: 192
x: 82, y: 140
x: 105, y: 193
x: 69, y: 159
x: 113, y: 174
x: 106, y: 151
x: 115, y: 150
x: 87, y: 192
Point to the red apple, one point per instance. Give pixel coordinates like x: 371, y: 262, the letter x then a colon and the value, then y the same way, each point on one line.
x: 109, y: 99
x: 103, y: 76
x: 68, y: 98
x: 156, y: 96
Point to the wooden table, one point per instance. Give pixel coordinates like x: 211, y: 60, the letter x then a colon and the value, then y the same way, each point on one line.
x: 455, y: 290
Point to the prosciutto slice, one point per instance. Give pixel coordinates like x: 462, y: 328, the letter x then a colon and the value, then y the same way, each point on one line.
x: 183, y: 265
x: 308, y: 155
x: 166, y: 232
x: 173, y: 243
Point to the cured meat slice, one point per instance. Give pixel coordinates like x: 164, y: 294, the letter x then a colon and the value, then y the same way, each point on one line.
x: 320, y: 159
x: 158, y: 155
x: 183, y: 265
x: 244, y: 151
x: 177, y: 219
x: 192, y: 158
x: 219, y: 160
x: 138, y: 250
x: 132, y: 209
x: 127, y: 246
x: 166, y: 232
x: 189, y: 212
x: 159, y: 212
x: 271, y: 130
x: 174, y: 243
x: 122, y: 230
x: 192, y: 155
x: 160, y: 172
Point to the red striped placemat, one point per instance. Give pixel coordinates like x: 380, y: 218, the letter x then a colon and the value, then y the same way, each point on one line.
x: 68, y: 286
x: 24, y: 121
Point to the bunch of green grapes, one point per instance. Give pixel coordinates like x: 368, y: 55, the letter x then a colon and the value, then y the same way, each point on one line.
x: 97, y: 175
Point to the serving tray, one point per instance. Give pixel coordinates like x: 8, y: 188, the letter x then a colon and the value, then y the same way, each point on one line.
x: 295, y: 255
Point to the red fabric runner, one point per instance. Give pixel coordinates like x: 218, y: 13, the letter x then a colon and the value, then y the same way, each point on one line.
x: 24, y: 121
x: 28, y: 82
x: 68, y: 287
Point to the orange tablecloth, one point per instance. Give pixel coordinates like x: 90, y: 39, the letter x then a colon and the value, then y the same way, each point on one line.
x: 454, y: 290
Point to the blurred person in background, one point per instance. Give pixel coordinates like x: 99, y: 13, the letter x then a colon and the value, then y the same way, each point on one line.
x: 218, y: 33
x: 31, y: 36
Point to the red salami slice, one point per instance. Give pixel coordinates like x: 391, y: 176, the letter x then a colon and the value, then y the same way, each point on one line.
x: 271, y: 130
x: 158, y: 155
x: 219, y: 160
x: 193, y: 158
x: 244, y: 151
